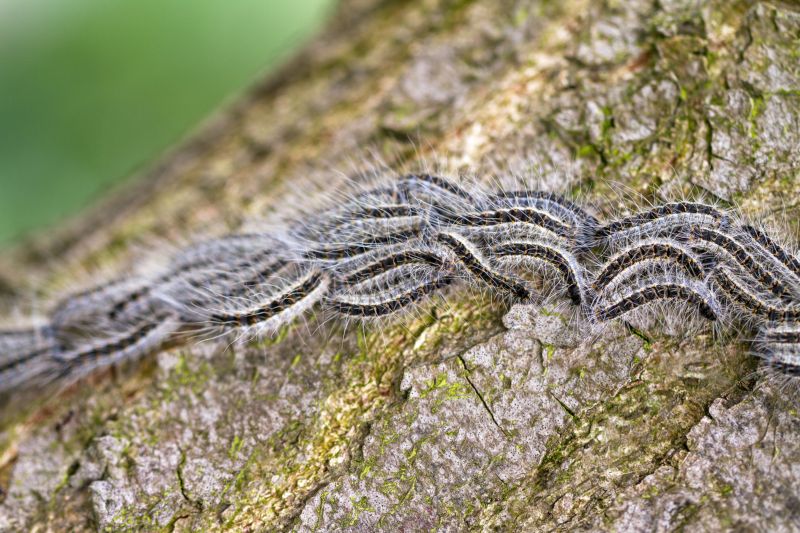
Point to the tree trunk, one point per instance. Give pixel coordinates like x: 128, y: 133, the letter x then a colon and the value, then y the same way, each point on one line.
x: 484, y: 417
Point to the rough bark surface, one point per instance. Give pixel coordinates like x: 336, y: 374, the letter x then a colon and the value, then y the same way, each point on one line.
x: 478, y: 417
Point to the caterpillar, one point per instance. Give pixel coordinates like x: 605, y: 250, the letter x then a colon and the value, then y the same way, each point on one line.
x: 776, y: 251
x: 387, y: 302
x: 391, y: 261
x: 657, y: 290
x: 566, y: 211
x: 562, y: 261
x: 661, y: 220
x: 736, y: 251
x: 378, y: 251
x: 476, y: 264
x: 647, y: 251
x: 779, y: 346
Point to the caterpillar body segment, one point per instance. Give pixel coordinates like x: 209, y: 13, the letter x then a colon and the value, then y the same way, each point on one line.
x: 785, y: 261
x: 554, y: 204
x: 236, y: 246
x: 428, y: 189
x: 25, y: 355
x: 751, y: 302
x: 690, y: 292
x: 783, y: 336
x: 265, y: 311
x: 648, y: 252
x: 789, y: 260
x: 729, y: 248
x: 134, y: 343
x: 679, y: 210
x: 530, y: 217
x: 477, y: 265
x: 562, y: 261
x: 779, y: 346
x: 12, y: 340
x: 672, y: 220
x: 340, y: 251
x: 389, y: 302
x: 205, y: 287
x: 385, y: 263
x: 89, y: 315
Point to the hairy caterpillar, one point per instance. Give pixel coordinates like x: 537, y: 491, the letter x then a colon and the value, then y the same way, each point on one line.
x: 390, y: 301
x: 737, y: 252
x: 644, y: 252
x: 562, y: 261
x: 384, y: 249
x: 661, y: 220
x: 391, y: 261
x: 668, y: 289
x: 774, y: 250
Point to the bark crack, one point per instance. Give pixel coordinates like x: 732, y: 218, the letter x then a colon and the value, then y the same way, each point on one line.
x: 564, y: 406
x: 182, y: 483
x: 481, y: 398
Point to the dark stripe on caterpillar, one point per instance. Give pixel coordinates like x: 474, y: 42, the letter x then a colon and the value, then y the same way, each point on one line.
x: 548, y: 254
x: 659, y: 212
x: 655, y: 250
x: 783, y: 337
x: 114, y: 348
x: 750, y: 302
x: 476, y: 264
x: 274, y: 305
x: 389, y: 305
x: 741, y: 256
x: 780, y: 349
x: 554, y: 204
x: 12, y: 360
x: 412, y: 182
x: 655, y: 292
x: 392, y: 261
x: 775, y: 249
x: 511, y: 215
x: 382, y: 211
x: 350, y: 250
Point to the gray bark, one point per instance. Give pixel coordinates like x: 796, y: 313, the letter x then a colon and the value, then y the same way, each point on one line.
x: 484, y: 417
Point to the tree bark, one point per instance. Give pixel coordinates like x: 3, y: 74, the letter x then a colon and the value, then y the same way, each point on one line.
x: 483, y: 417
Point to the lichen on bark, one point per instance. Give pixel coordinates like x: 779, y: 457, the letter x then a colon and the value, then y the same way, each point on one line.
x: 475, y: 416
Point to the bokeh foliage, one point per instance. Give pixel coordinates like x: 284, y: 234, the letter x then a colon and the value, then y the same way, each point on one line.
x: 92, y: 90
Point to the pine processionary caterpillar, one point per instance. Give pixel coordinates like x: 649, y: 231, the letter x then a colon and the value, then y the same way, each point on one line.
x: 392, y: 302
x: 750, y: 302
x: 299, y: 291
x: 392, y: 261
x: 662, y: 211
x: 551, y: 255
x: 691, y: 293
x: 553, y: 204
x: 659, y: 221
x: 341, y: 252
x: 782, y: 337
x: 29, y: 345
x: 384, y: 249
x: 779, y: 347
x: 653, y: 250
x: 774, y: 249
x: 434, y: 184
x: 132, y: 344
x: 510, y: 215
x: 742, y: 257
x: 478, y: 266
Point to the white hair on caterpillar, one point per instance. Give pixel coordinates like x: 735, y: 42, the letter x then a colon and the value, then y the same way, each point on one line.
x: 378, y: 246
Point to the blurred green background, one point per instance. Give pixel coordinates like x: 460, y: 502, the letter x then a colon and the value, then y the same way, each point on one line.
x: 92, y: 90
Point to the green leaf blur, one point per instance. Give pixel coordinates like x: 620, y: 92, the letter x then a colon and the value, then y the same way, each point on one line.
x: 92, y: 90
